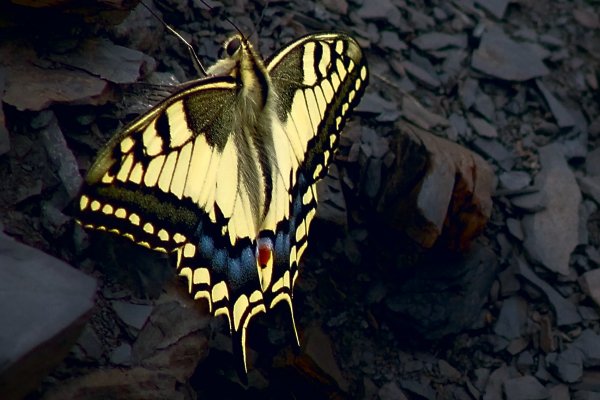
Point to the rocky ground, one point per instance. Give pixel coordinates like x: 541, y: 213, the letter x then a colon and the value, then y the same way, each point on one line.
x: 400, y: 295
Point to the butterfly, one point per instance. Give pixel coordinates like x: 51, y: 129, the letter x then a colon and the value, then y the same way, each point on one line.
x: 222, y: 173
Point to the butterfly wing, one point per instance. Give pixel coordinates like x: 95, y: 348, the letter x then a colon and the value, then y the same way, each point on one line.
x: 317, y: 80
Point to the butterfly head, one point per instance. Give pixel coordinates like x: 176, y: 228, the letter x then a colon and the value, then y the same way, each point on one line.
x: 234, y: 49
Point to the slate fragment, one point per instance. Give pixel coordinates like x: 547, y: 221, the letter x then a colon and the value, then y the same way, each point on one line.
x: 559, y: 218
x: 503, y: 58
x: 590, y: 284
x: 525, y: 388
x: 439, y: 40
x: 565, y: 311
x: 512, y: 320
x: 567, y: 365
x: 44, y: 305
x: 589, y: 345
x: 561, y: 114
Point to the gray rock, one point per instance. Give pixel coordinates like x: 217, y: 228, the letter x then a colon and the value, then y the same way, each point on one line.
x: 514, y: 227
x: 495, y: 383
x: 559, y: 392
x: 592, y: 162
x: 525, y: 388
x: 390, y: 40
x: 468, y: 92
x: 90, y: 343
x: 44, y: 305
x: 565, y: 311
x: 482, y: 127
x: 559, y: 218
x: 590, y: 284
x: 484, y: 105
x: 121, y: 355
x: 531, y: 202
x: 589, y: 344
x: 514, y: 180
x: 418, y: 388
x: 391, y: 391
x: 495, y: 150
x: 503, y: 58
x: 567, y: 365
x: 590, y: 185
x: 586, y: 395
x: 424, y: 77
x: 105, y: 59
x: 438, y: 40
x: 62, y: 158
x: 375, y: 104
x: 413, y: 111
x: 380, y: 10
x: 561, y: 115
x: 496, y: 7
x: 459, y: 124
x: 134, y: 315
x: 512, y: 321
x: 332, y: 203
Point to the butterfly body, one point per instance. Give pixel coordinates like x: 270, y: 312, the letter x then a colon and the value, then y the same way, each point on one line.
x: 223, y: 172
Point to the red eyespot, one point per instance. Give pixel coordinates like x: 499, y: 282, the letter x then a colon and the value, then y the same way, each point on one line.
x: 264, y: 250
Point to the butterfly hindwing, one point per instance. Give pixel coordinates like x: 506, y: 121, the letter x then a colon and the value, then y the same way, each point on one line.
x: 223, y: 173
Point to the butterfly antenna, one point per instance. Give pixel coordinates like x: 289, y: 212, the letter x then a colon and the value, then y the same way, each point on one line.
x: 210, y: 8
x: 196, y: 61
x: 260, y: 20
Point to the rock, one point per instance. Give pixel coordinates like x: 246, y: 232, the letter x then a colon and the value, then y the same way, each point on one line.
x: 559, y: 392
x: 592, y: 162
x: 496, y: 151
x: 119, y: 384
x: 496, y: 7
x: 390, y: 40
x: 512, y: 321
x: 62, y: 158
x: 589, y: 345
x: 525, y: 388
x: 4, y: 134
x: 482, y: 127
x: 90, y: 343
x: 175, y: 338
x: 501, y: 57
x: 468, y: 92
x: 134, y: 315
x: 567, y: 365
x: 32, y: 87
x: 514, y: 180
x: 590, y: 284
x: 332, y: 203
x: 565, y: 311
x: 494, y: 387
x: 590, y: 185
x: 102, y: 58
x: 438, y: 40
x: 586, y: 395
x: 44, y: 305
x: 380, y: 10
x: 448, y: 371
x: 391, y: 391
x: 559, y: 218
x: 587, y: 17
x: 444, y: 297
x: 413, y: 111
x: 421, y: 389
x: 425, y: 77
x: 417, y: 200
x: 121, y: 355
x: 374, y: 104
x: 532, y: 202
x: 319, y: 348
x: 561, y: 115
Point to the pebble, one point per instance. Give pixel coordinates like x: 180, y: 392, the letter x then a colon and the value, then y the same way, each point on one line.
x: 567, y: 365
x: 503, y: 58
x: 590, y: 284
x: 134, y: 315
x: 525, y: 388
x: 512, y: 320
x: 560, y: 218
x: 424, y: 77
x: 438, y: 40
x: 561, y: 115
x: 482, y: 127
x: 514, y: 180
x: 495, y: 7
x: 590, y: 185
x: 589, y: 345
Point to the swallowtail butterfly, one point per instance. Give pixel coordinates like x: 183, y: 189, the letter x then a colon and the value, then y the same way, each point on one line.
x: 223, y: 172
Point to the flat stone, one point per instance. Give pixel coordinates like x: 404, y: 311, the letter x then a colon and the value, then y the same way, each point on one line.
x: 514, y: 227
x: 587, y: 17
x: 586, y: 395
x: 495, y: 7
x: 525, y: 388
x: 44, y: 305
x: 589, y: 344
x: 90, y: 343
x: 380, y: 10
x: 484, y: 105
x: 565, y: 311
x: 495, y: 150
x: 421, y: 75
x: 391, y: 40
x: 121, y: 355
x: 590, y: 185
x: 413, y: 111
x: 562, y: 116
x: 134, y: 315
x: 495, y: 383
x: 134, y: 383
x: 468, y: 92
x: 438, y: 40
x: 317, y: 345
x: 590, y: 284
x: 559, y: 392
x: 332, y: 202
x: 530, y: 202
x: 102, y: 58
x: 374, y: 104
x: 567, y: 365
x: 512, y: 320
x: 482, y: 127
x: 503, y: 58
x: 391, y: 391
x: 559, y: 218
x: 592, y: 162
x: 514, y: 180
x: 62, y: 158
x: 459, y: 124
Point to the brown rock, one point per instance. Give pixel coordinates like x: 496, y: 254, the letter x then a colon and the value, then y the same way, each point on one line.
x: 436, y: 188
x: 318, y: 347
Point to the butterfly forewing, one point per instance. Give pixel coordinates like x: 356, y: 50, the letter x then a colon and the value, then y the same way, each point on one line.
x: 230, y: 192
